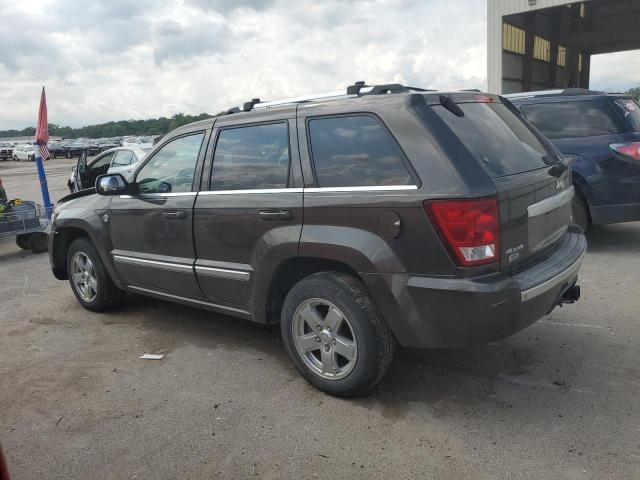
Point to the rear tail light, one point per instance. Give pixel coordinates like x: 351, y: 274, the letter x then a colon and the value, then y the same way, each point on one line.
x: 630, y: 150
x: 469, y: 228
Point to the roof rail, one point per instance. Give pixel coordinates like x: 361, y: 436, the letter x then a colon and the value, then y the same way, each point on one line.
x: 551, y: 93
x: 358, y: 89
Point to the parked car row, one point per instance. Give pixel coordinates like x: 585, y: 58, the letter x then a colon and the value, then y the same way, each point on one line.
x: 71, y: 148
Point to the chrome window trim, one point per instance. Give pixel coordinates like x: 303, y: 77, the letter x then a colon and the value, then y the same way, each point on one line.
x: 189, y: 300
x: 254, y: 191
x: 551, y: 203
x: 141, y: 262
x: 156, y: 195
x: 378, y: 188
x: 223, y: 273
x: 554, y: 281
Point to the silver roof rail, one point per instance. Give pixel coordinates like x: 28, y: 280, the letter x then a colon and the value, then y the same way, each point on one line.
x: 307, y: 98
x: 355, y: 90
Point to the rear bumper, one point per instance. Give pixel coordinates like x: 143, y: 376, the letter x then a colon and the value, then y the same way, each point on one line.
x: 428, y: 312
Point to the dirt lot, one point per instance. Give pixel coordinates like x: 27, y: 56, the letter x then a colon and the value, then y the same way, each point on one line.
x: 557, y: 401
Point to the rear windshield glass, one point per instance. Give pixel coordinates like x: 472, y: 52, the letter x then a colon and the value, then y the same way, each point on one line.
x: 630, y: 111
x: 574, y: 119
x: 501, y: 142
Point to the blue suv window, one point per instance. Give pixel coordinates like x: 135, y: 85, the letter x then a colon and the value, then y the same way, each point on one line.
x: 355, y: 151
x: 585, y: 118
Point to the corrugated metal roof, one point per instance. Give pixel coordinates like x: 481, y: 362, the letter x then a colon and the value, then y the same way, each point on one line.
x: 508, y: 7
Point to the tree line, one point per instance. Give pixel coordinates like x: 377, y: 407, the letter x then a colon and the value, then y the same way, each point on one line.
x: 152, y: 126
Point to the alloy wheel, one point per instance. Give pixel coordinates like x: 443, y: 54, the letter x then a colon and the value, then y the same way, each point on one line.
x: 84, y: 277
x: 325, y: 339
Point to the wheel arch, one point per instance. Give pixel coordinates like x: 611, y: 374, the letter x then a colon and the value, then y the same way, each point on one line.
x: 286, y: 274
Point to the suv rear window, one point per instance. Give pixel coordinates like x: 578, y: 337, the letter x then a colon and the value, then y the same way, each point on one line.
x: 585, y: 118
x: 498, y: 138
x: 356, y: 151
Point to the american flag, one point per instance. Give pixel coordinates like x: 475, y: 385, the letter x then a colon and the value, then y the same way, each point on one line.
x: 44, y: 151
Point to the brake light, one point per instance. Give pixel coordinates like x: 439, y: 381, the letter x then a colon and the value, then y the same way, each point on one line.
x: 484, y: 99
x: 631, y: 150
x: 469, y: 228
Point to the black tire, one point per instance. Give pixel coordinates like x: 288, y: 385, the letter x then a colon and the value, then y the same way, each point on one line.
x: 37, y: 242
x: 67, y: 154
x: 375, y: 342
x: 15, y: 158
x: 23, y: 241
x: 108, y: 296
x: 580, y: 212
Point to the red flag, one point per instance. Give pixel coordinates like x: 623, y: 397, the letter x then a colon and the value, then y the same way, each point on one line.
x: 42, y: 130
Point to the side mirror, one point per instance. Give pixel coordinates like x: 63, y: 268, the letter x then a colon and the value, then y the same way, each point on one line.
x: 111, y: 184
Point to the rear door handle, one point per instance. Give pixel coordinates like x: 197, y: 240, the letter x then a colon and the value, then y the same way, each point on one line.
x: 275, y: 215
x: 179, y: 215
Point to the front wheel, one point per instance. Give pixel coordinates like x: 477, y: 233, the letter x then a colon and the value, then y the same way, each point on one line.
x: 67, y: 154
x: 89, y: 278
x: 23, y: 241
x: 15, y: 158
x: 335, y: 335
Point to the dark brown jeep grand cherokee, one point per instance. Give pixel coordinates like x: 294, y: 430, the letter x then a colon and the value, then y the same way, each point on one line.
x: 357, y: 220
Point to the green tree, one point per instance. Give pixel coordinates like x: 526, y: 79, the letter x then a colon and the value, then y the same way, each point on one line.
x: 152, y: 126
x: 635, y: 93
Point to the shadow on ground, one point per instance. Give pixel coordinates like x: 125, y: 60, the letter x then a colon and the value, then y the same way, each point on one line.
x: 623, y: 238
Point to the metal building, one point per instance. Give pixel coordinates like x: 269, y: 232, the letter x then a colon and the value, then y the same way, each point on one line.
x: 543, y: 44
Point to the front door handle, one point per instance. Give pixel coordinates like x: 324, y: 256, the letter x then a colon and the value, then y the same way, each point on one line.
x: 179, y: 215
x: 275, y: 215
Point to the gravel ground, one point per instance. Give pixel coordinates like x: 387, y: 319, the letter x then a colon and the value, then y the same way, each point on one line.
x: 558, y: 400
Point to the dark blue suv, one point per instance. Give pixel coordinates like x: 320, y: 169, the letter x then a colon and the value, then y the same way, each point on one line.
x: 599, y: 134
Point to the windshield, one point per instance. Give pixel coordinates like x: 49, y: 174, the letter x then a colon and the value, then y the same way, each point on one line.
x: 498, y: 138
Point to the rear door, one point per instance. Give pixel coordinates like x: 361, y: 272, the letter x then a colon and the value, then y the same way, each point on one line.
x: 248, y: 214
x: 533, y: 186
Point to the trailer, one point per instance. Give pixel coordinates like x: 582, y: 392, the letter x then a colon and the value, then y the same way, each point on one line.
x: 27, y: 221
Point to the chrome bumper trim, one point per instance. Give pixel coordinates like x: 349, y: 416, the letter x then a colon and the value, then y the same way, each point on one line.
x: 554, y: 281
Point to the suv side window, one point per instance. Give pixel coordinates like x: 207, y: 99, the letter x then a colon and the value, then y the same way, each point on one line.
x: 172, y: 167
x: 584, y: 118
x: 252, y: 157
x: 355, y: 151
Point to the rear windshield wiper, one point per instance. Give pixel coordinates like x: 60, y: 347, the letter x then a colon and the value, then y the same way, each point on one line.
x: 447, y: 102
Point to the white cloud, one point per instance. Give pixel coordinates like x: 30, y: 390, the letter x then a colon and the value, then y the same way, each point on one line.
x: 121, y: 59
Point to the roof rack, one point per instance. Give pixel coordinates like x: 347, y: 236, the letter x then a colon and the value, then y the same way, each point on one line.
x: 551, y: 93
x: 358, y: 89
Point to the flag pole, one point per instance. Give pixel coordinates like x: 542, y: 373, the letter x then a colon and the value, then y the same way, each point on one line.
x: 44, y: 187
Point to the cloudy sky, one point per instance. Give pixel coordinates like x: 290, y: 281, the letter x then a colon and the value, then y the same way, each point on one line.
x: 119, y: 59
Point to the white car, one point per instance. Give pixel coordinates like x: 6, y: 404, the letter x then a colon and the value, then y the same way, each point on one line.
x: 115, y: 160
x: 24, y: 151
x: 140, y: 142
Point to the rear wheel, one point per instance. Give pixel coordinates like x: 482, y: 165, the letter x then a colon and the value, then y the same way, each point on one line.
x: 67, y: 154
x: 37, y: 242
x: 23, y: 241
x: 335, y: 335
x: 15, y: 158
x: 90, y: 282
x: 580, y: 212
